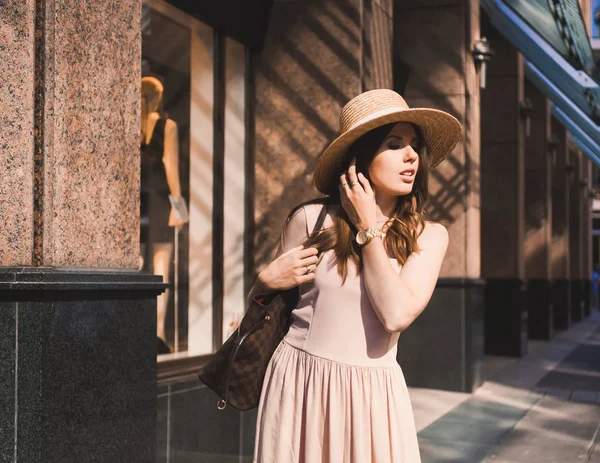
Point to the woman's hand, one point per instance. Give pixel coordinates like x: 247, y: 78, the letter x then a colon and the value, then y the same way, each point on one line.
x: 290, y: 269
x: 176, y: 222
x: 357, y: 198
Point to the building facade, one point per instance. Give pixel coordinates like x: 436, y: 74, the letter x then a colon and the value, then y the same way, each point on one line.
x: 154, y: 148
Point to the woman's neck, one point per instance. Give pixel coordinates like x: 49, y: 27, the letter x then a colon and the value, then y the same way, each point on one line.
x: 386, y: 205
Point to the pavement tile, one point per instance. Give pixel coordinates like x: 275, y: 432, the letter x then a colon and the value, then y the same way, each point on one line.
x: 457, y: 452
x: 587, y: 397
x: 467, y: 431
x: 431, y: 404
x: 493, y: 364
x: 595, y: 457
x: 562, y: 394
x: 517, y: 453
x: 510, y: 419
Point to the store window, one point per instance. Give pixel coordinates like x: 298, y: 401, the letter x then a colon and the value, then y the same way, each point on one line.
x: 193, y: 125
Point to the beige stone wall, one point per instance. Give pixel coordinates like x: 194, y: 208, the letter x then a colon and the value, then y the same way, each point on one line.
x: 560, y: 206
x: 434, y: 68
x: 588, y: 224
x: 17, y: 22
x: 378, y: 31
x: 538, y: 210
x: 575, y: 216
x: 503, y: 165
x: 313, y: 61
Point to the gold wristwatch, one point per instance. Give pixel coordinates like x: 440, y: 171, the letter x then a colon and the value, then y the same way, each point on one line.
x: 365, y: 235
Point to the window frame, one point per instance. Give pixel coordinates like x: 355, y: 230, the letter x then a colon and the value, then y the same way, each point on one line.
x: 171, y: 368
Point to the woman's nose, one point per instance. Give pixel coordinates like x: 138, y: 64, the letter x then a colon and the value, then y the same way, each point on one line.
x: 411, y: 154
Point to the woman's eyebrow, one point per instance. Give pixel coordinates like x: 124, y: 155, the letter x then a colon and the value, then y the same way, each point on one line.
x: 415, y: 139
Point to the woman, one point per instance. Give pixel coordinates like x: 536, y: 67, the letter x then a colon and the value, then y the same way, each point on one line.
x: 333, y: 391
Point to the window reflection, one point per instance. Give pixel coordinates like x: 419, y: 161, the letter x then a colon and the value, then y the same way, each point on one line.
x: 177, y: 169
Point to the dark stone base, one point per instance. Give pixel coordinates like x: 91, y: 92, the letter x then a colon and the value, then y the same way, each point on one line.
x: 587, y: 298
x: 576, y: 300
x: 506, y: 317
x: 561, y: 295
x: 443, y: 348
x: 196, y: 431
x: 540, y: 321
x: 77, y: 365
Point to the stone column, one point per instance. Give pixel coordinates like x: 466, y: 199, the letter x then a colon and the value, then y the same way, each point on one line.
x: 560, y: 255
x: 586, y: 238
x: 575, y: 232
x: 538, y: 216
x: 78, y: 349
x: 503, y: 200
x: 317, y: 55
x: 433, y: 67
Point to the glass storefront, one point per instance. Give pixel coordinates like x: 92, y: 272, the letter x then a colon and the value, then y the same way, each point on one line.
x: 182, y: 143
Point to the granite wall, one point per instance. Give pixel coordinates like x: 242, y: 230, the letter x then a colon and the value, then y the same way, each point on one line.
x: 17, y: 25
x: 78, y: 357
x: 70, y: 116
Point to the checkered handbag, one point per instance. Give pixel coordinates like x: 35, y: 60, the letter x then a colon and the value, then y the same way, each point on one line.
x: 237, y: 370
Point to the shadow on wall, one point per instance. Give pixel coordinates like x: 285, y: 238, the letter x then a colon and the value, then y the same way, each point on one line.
x: 309, y: 68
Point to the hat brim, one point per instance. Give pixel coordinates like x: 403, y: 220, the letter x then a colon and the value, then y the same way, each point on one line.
x: 441, y: 133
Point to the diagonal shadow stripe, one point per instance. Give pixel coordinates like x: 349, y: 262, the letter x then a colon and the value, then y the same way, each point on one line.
x: 314, y: 71
x: 304, y: 107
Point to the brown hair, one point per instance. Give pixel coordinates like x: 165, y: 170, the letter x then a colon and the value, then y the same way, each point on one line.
x: 408, y: 217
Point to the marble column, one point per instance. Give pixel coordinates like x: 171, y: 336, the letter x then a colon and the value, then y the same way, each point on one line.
x: 78, y: 349
x: 560, y: 254
x: 503, y: 199
x: 538, y: 215
x: 575, y: 231
x: 433, y: 67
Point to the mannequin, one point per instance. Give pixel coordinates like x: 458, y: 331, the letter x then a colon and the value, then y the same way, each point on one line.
x: 159, y: 179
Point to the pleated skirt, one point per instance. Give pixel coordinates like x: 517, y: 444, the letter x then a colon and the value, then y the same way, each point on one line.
x: 316, y: 410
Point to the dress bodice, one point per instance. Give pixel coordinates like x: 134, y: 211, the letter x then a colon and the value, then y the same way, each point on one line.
x: 336, y: 320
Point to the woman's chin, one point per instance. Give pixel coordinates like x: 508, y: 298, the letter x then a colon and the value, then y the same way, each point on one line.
x: 403, y: 191
x: 397, y: 190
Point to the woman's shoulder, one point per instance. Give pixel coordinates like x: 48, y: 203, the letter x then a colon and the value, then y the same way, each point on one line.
x: 433, y: 232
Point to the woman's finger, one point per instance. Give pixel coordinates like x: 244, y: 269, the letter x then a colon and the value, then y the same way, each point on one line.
x: 364, y: 181
x: 344, y: 183
x: 308, y: 252
x: 309, y: 260
x: 353, y: 182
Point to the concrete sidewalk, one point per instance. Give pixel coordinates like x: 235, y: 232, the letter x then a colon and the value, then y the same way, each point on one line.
x: 543, y: 408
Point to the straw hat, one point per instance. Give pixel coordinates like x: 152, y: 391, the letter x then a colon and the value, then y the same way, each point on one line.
x: 373, y: 109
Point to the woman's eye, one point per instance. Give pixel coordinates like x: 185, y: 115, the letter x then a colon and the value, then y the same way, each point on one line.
x: 394, y: 145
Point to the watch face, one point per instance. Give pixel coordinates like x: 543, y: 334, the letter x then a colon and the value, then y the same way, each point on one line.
x: 361, y: 236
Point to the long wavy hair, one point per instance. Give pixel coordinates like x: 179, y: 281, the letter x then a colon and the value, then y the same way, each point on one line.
x: 408, y: 219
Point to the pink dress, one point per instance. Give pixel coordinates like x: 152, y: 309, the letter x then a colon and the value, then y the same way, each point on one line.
x: 333, y: 391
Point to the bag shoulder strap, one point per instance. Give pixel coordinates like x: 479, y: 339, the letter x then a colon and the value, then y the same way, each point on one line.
x: 318, y: 224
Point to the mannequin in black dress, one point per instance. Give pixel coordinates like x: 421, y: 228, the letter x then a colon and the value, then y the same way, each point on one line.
x: 159, y: 179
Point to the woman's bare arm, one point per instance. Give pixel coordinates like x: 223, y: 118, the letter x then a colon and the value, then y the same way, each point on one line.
x: 398, y: 299
x: 291, y: 236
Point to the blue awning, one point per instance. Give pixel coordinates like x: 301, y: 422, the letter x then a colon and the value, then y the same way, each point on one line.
x: 564, y: 104
x: 575, y: 95
x: 585, y: 143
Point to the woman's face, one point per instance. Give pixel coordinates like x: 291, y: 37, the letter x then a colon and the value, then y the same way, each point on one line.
x: 394, y: 168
